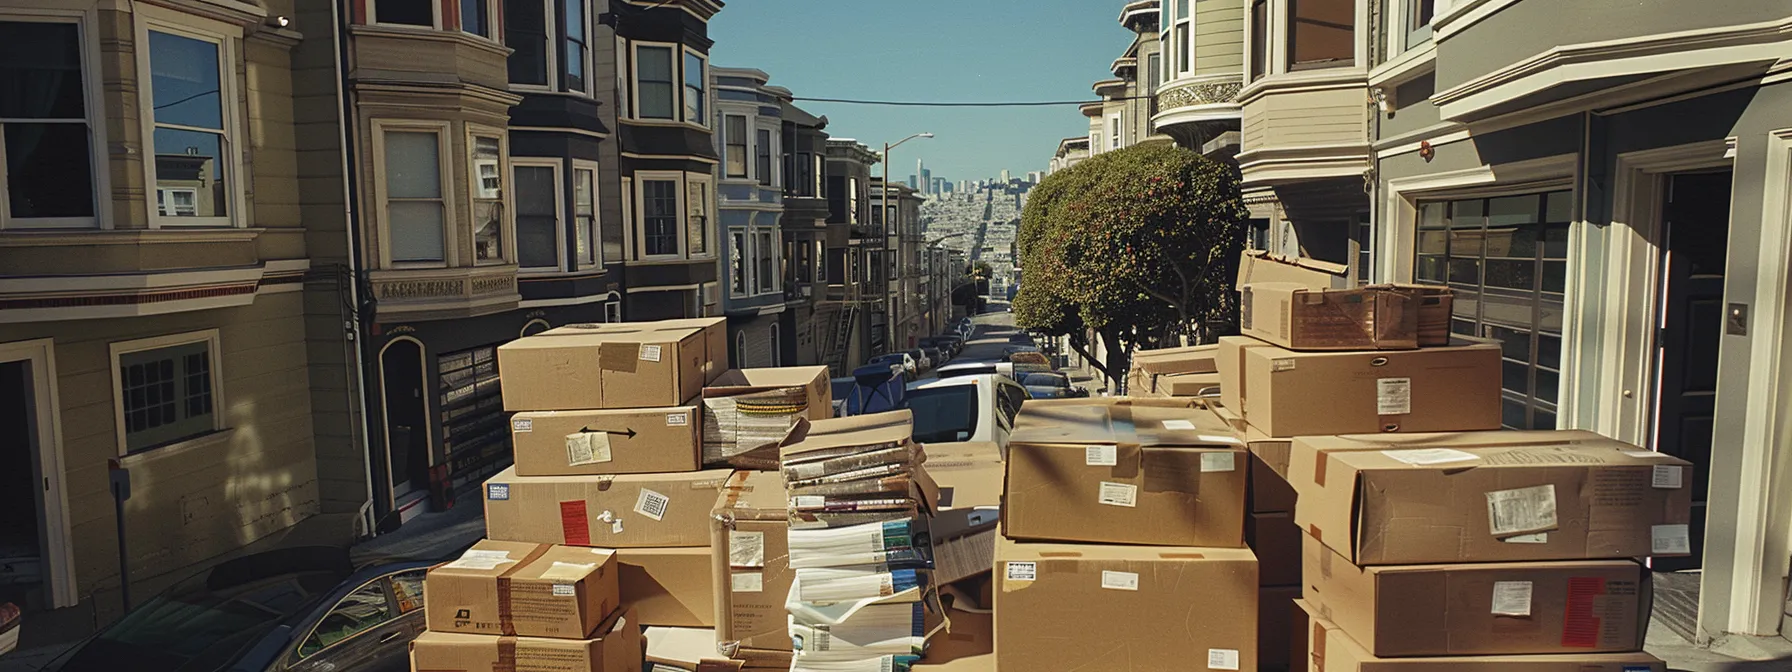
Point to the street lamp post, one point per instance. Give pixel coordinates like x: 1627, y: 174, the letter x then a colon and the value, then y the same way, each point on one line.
x: 883, y: 204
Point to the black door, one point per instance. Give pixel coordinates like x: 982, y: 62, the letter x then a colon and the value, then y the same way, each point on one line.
x: 20, y: 552
x: 407, y: 432
x: 1696, y: 233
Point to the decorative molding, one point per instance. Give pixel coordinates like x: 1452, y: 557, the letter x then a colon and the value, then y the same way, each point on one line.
x: 1191, y: 94
x: 79, y: 237
x: 420, y: 289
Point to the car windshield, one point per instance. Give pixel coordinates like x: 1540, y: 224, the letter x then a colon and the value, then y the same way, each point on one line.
x: 944, y: 414
x: 1045, y: 380
x: 199, y: 627
x: 887, y: 359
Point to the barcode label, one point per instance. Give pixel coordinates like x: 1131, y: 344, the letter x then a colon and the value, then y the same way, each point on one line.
x: 522, y: 425
x: 1666, y: 477
x: 1101, y: 456
x: 1119, y: 580
x: 651, y: 504
x: 678, y: 419
x: 1511, y: 598
x: 1023, y: 571
x: 650, y: 353
x: 1222, y: 659
x: 1522, y: 510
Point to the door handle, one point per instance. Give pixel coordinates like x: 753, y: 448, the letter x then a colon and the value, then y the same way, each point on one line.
x: 395, y: 634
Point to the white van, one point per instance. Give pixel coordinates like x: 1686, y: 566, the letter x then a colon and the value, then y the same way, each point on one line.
x: 965, y: 408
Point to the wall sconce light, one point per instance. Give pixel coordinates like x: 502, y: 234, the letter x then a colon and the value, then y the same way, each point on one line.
x: 1383, y: 100
x: 279, y: 22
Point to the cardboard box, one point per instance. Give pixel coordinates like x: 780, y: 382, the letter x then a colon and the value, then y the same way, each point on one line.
x: 533, y: 590
x: 1277, y: 542
x: 1293, y: 316
x: 1159, y: 607
x: 970, y: 476
x: 1270, y: 492
x: 688, y: 650
x: 1151, y: 368
x: 1334, y: 651
x: 969, y: 645
x: 748, y: 413
x: 617, y: 649
x: 1229, y: 357
x: 1435, y: 305
x: 669, y: 586
x: 1455, y: 388
x: 626, y: 365
x: 1575, y: 606
x: 1275, y: 627
x: 715, y: 336
x: 750, y: 561
x: 1255, y: 266
x: 1585, y: 499
x: 1125, y: 475
x: 607, y: 441
x: 621, y: 511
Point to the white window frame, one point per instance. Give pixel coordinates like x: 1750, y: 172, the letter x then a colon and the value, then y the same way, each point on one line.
x: 612, y: 310
x: 765, y: 254
x: 550, y: 19
x: 710, y: 245
x: 493, y: 19
x: 776, y: 165
x: 597, y: 214
x: 215, y: 353
x: 709, y: 93
x: 435, y: 12
x: 746, y: 126
x: 561, y: 224
x: 1183, y: 66
x: 445, y: 157
x: 506, y: 209
x: 590, y: 49
x: 641, y: 178
x: 226, y: 36
x: 743, y: 248
x: 634, y: 80
x: 99, y: 175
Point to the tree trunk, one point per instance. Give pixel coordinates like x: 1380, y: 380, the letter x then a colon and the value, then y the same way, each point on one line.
x: 1118, y: 357
x: 1081, y: 346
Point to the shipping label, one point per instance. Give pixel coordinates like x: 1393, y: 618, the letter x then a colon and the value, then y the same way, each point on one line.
x: 747, y: 582
x: 651, y: 504
x: 522, y: 425
x: 1118, y: 494
x: 1393, y: 396
x: 1670, y: 540
x: 1101, y: 456
x: 1178, y: 424
x: 679, y: 419
x: 1666, y: 477
x: 746, y: 549
x: 1521, y: 510
x: 1119, y: 580
x: 650, y: 353
x: 1226, y: 461
x: 584, y: 448
x: 1512, y: 598
x: 1222, y: 659
x: 1023, y: 571
x: 1429, y: 456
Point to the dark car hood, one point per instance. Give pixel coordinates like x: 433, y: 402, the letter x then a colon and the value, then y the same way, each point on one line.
x: 105, y: 655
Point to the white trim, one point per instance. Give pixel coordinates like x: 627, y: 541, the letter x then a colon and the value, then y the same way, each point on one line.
x: 549, y: 18
x: 215, y: 356
x: 386, y: 410
x: 709, y: 98
x: 93, y: 94
x: 634, y: 71
x: 1401, y: 196
x: 597, y: 213
x: 232, y: 141
x: 1464, y: 13
x: 435, y: 15
x: 57, y: 539
x: 445, y: 159
x: 1409, y: 65
x: 1436, y: 141
x: 506, y: 211
x: 524, y: 332
x: 560, y: 211
x: 663, y: 288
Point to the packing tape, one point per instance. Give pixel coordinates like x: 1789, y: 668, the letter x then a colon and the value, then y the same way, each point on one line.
x: 1320, y: 460
x: 507, y: 624
x: 1318, y: 652
x: 575, y: 522
x: 506, y: 654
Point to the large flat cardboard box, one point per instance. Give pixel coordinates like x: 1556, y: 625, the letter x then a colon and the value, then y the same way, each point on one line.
x: 1125, y: 475
x: 970, y: 476
x: 1293, y: 316
x: 621, y: 511
x: 969, y: 645
x: 1153, y: 370
x: 1583, y: 499
x: 1157, y: 608
x: 1571, y: 606
x: 691, y: 650
x: 532, y: 590
x: 616, y: 648
x: 1229, y: 358
x: 750, y: 561
x: 1275, y: 627
x: 627, y: 365
x: 749, y: 412
x: 1277, y: 542
x: 1256, y: 266
x: 1332, y: 650
x: 715, y: 336
x: 669, y: 586
x: 607, y: 441
x: 1290, y: 393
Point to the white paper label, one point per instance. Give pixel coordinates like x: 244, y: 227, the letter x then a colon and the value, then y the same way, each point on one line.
x: 522, y: 425
x: 481, y: 560
x: 1424, y: 456
x: 1226, y: 461
x: 1222, y: 659
x: 1538, y: 538
x: 1178, y: 424
x: 1670, y: 540
x: 678, y: 419
x: 584, y: 448
x: 1118, y: 494
x: 747, y: 582
x: 651, y: 504
x: 1023, y: 571
x: 808, y: 501
x: 616, y: 526
x: 1666, y: 477
x: 1224, y: 440
x: 1119, y: 580
x: 1280, y: 365
x: 564, y: 590
x: 746, y: 549
x: 1522, y: 510
x: 1101, y: 456
x: 1393, y: 396
x: 650, y: 353
x: 1511, y: 598
x: 1643, y: 453
x: 568, y: 571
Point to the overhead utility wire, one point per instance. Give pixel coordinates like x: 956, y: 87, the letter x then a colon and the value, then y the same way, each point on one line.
x: 914, y: 103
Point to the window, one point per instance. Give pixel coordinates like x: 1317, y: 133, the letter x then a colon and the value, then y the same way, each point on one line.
x: 1095, y: 142
x: 1154, y: 72
x: 734, y: 130
x: 488, y: 200
x: 538, y: 232
x: 526, y: 32
x: 654, y: 92
x: 1506, y: 260
x: 1114, y: 132
x: 365, y: 609
x: 659, y: 211
x: 416, y: 213
x: 695, y: 84
x: 1184, y: 57
x: 190, y: 144
x: 475, y: 17
x: 405, y: 12
x: 766, y: 252
x: 45, y: 142
x: 697, y: 203
x: 1418, y: 22
x: 777, y: 346
x: 764, y: 151
x: 820, y: 173
x: 166, y: 389
x: 578, y: 45
x: 1259, y: 37
x: 852, y: 200
x: 612, y: 312
x: 1322, y: 34
x: 737, y: 262
x: 805, y: 183
x: 1365, y: 247
x: 584, y: 215
x: 408, y: 586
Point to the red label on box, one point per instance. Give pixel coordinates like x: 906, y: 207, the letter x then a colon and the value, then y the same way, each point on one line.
x: 575, y: 526
x: 1580, y: 625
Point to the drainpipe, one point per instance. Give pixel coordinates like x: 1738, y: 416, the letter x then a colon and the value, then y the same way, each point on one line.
x: 352, y: 228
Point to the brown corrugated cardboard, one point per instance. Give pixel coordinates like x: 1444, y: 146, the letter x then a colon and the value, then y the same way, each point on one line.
x: 1293, y: 316
x: 1152, y: 369
x: 686, y: 650
x: 1502, y: 438
x: 622, y: 511
x: 1140, y: 608
x: 1334, y: 651
x: 669, y: 586
x: 1125, y: 475
x: 970, y: 477
x: 968, y: 646
x: 1255, y: 266
x: 1585, y: 499
x: 750, y: 561
x: 1275, y: 627
x: 1435, y: 304
x: 1188, y: 384
x: 627, y: 365
x: 749, y: 412
x: 617, y: 649
x: 533, y: 590
x: 607, y: 441
x: 715, y: 336
x: 1574, y: 606
x: 1444, y: 389
x: 1229, y: 357
x: 1276, y: 540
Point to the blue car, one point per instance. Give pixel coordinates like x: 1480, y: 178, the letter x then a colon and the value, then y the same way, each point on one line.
x: 873, y: 388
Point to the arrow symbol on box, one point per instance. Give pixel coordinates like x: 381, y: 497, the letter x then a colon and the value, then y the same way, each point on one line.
x: 630, y: 433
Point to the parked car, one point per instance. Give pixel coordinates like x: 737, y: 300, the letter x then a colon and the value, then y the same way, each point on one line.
x: 902, y: 359
x: 1010, y: 350
x: 1020, y: 339
x: 935, y: 355
x: 841, y: 388
x: 10, y: 618
x: 873, y: 388
x: 967, y: 368
x: 1051, y: 385
x: 965, y: 408
x: 305, y: 609
x: 947, y: 345
x: 923, y: 363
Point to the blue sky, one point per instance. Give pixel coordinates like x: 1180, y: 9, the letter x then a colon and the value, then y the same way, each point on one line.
x: 937, y: 50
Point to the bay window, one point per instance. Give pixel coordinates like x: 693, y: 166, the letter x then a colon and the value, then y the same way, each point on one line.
x: 538, y: 230
x: 654, y: 91
x: 764, y: 152
x: 488, y: 199
x: 697, y: 205
x: 526, y: 33
x: 1259, y: 59
x: 737, y: 262
x: 578, y: 45
x: 46, y: 142
x: 696, y: 84
x: 415, y: 210
x: 1321, y: 34
x: 191, y: 140
x: 659, y: 217
x: 734, y: 131
x: 584, y: 214
x: 1418, y: 21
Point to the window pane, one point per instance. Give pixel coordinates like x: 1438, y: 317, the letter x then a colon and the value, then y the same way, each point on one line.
x: 1184, y: 62
x: 1555, y: 241
x: 537, y: 217
x: 735, y: 131
x: 1515, y: 242
x: 189, y: 165
x: 1466, y: 213
x: 659, y: 208
x: 1520, y: 275
x: 362, y: 610
x: 585, y: 216
x: 413, y: 168
x: 1433, y: 242
x: 407, y: 12
x: 167, y: 395
x: 472, y: 17
x: 693, y: 89
x: 1512, y: 210
x: 526, y: 32
x: 765, y: 156
x: 416, y: 230
x: 1323, y: 33
x: 1560, y: 208
x: 40, y: 71
x: 1431, y: 215
x: 1515, y: 377
x: 656, y: 89
x: 1548, y: 383
x: 1182, y: 8
x: 767, y: 255
x: 574, y: 13
x: 48, y: 173
x: 184, y: 79
x: 488, y: 224
x: 1259, y: 37
x: 697, y: 202
x: 1512, y: 414
x: 737, y: 262
x: 1466, y: 271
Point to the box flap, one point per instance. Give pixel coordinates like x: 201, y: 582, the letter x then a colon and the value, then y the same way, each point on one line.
x: 741, y: 381
x: 818, y: 436
x: 1070, y: 424
x: 685, y: 647
x: 1260, y: 266
x: 1166, y: 361
x: 1011, y: 550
